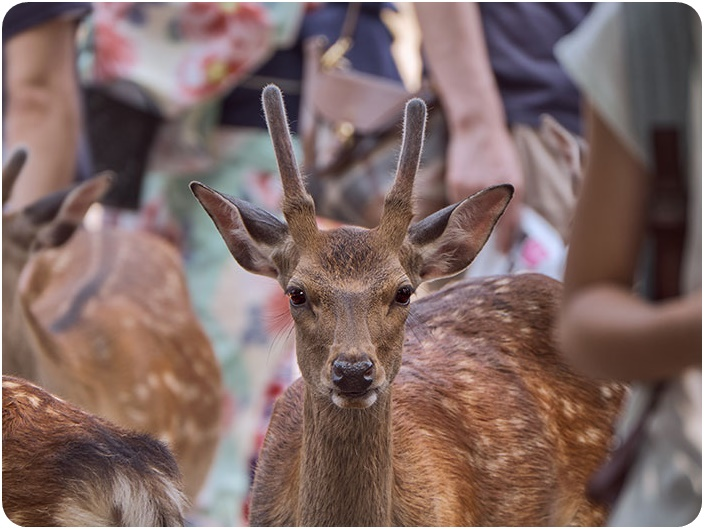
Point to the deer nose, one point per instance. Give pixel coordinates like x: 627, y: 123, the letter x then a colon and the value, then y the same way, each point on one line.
x: 352, y: 377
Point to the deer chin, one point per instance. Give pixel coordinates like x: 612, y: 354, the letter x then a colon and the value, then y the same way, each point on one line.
x: 354, y: 400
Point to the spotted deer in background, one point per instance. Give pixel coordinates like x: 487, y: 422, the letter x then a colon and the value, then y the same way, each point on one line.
x: 103, y: 319
x: 64, y: 467
x: 453, y: 410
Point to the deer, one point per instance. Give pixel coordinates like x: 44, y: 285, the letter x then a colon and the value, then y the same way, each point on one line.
x: 103, y: 319
x: 455, y: 409
x: 62, y: 466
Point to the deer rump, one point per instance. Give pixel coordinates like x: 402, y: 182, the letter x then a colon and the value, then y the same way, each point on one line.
x: 489, y: 426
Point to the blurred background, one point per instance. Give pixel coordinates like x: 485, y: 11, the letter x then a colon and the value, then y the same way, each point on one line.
x: 162, y: 94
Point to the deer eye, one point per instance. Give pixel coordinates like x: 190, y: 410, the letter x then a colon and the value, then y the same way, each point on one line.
x: 296, y: 296
x: 403, y: 295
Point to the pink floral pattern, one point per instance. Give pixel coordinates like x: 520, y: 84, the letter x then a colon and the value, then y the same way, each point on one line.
x: 234, y: 37
x: 180, y: 53
x: 201, y: 20
x: 115, y: 54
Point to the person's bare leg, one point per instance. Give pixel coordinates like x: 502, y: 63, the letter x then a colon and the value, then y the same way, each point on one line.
x: 43, y: 111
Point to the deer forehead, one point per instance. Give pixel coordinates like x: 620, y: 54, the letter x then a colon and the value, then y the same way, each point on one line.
x: 350, y: 260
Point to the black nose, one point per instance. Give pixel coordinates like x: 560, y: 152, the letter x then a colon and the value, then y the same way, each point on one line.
x: 352, y: 377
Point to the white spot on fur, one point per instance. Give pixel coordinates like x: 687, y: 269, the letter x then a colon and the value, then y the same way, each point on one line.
x: 171, y: 382
x: 142, y: 391
x: 200, y: 368
x: 544, y: 392
x: 535, y: 307
x: 153, y: 380
x: 33, y: 400
x: 517, y: 422
x: 451, y: 404
x: 590, y: 436
x: 569, y: 409
x: 485, y: 441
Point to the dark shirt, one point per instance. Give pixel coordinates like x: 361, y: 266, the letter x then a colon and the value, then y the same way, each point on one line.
x: 520, y: 38
x: 370, y: 53
x: 26, y: 15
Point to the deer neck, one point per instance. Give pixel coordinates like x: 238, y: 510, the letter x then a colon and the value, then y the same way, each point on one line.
x: 346, y: 464
x: 18, y: 354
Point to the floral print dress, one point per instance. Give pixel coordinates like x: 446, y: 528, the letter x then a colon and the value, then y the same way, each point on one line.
x: 183, y: 58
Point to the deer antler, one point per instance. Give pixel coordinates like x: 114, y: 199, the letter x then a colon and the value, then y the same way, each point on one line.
x: 398, y: 205
x: 298, y: 206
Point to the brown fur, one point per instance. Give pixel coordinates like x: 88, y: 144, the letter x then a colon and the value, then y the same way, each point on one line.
x: 62, y: 466
x: 466, y: 414
x: 103, y: 319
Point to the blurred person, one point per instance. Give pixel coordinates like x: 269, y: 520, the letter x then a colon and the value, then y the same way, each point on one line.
x: 639, y: 67
x: 493, y: 69
x: 41, y: 98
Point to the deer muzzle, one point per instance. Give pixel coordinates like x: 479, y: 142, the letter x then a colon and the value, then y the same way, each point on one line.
x: 352, y: 380
x: 352, y: 377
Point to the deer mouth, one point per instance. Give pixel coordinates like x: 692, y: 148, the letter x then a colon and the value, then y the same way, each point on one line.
x: 349, y: 399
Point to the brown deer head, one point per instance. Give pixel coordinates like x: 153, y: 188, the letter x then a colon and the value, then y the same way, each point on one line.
x: 350, y: 288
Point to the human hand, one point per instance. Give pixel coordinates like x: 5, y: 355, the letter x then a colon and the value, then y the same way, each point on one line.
x: 478, y: 158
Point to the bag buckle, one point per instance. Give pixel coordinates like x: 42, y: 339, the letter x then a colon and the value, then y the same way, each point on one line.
x: 334, y: 54
x: 344, y: 131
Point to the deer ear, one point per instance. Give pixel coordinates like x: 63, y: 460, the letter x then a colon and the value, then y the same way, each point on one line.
x: 11, y: 170
x: 57, y: 216
x: 251, y: 234
x: 448, y: 241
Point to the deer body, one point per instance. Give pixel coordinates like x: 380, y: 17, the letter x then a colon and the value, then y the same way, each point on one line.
x: 482, y: 429
x: 454, y: 410
x: 123, y: 344
x: 63, y: 466
x: 103, y: 319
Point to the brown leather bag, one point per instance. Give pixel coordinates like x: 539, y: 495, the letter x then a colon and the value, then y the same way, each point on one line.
x: 350, y: 130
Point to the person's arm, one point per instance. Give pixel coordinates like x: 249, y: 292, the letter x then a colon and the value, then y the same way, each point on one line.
x: 481, y: 152
x: 605, y: 329
x: 43, y: 111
